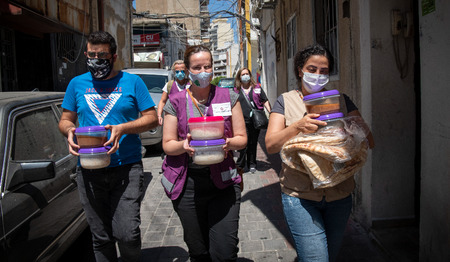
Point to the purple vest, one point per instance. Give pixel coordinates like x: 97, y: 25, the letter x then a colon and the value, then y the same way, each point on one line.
x: 174, y: 88
x: 175, y: 168
x: 255, y: 97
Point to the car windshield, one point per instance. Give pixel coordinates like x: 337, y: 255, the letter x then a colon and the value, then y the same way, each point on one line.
x: 226, y: 83
x: 154, y: 83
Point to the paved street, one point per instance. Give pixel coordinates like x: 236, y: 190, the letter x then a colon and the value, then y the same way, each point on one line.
x: 263, y: 233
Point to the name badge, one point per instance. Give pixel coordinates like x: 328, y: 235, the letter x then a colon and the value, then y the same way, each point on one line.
x: 257, y: 90
x: 222, y: 109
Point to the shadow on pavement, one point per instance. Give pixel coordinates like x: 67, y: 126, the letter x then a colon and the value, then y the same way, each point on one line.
x: 268, y: 200
x: 163, y: 253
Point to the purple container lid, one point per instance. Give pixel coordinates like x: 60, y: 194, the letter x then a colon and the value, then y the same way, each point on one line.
x: 214, y: 142
x: 94, y: 150
x: 88, y: 129
x: 321, y: 94
x: 330, y: 116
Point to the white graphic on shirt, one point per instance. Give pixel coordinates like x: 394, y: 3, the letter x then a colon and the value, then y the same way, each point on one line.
x: 108, y: 100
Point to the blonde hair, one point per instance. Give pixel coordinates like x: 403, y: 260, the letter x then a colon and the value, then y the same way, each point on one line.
x: 177, y: 62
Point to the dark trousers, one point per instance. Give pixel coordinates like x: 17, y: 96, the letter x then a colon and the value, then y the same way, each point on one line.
x: 247, y: 156
x: 111, y: 199
x: 210, y: 218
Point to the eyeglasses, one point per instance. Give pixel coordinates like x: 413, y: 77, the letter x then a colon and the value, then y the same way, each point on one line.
x: 179, y: 71
x: 100, y: 55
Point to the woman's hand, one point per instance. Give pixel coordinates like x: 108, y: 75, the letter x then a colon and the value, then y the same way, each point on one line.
x: 308, y: 124
x: 187, y: 147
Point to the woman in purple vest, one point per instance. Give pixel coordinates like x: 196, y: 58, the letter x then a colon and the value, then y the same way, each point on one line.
x: 181, y: 82
x: 251, y: 96
x: 206, y: 198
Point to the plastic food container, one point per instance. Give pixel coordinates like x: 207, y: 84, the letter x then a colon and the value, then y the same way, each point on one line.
x: 326, y: 102
x: 91, y: 136
x: 208, y: 152
x: 94, y: 158
x: 206, y: 128
x: 333, y: 120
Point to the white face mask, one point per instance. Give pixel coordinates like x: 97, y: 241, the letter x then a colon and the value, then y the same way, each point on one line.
x: 313, y: 83
x: 201, y: 80
x: 245, y: 78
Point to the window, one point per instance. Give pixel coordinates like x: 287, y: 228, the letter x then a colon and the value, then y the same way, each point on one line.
x: 291, y: 32
x: 154, y: 83
x: 326, y: 28
x: 37, y: 137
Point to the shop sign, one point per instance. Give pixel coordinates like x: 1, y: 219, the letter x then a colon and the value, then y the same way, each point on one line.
x: 145, y: 39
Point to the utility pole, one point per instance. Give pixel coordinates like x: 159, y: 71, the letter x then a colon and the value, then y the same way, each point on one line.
x: 241, y: 44
x: 247, y: 33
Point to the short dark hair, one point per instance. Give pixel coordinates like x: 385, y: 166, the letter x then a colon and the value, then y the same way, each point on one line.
x: 102, y: 37
x: 303, y: 55
x: 193, y: 50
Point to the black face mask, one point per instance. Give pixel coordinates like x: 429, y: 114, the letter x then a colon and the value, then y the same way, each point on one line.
x: 99, y: 68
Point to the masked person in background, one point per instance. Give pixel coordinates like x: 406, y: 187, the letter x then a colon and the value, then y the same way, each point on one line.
x: 251, y: 95
x: 120, y: 102
x: 316, y: 217
x: 206, y: 197
x: 181, y: 82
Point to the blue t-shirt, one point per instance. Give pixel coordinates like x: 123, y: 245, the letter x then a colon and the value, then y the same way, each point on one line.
x: 114, y: 101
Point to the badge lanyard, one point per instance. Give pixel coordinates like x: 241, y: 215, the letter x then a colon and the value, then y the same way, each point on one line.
x: 192, y: 100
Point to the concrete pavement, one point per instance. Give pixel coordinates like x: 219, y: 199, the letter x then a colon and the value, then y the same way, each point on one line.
x: 263, y: 233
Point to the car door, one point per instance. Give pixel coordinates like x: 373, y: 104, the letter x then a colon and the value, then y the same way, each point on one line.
x: 39, y: 200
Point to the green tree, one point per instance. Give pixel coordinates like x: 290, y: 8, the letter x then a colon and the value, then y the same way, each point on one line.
x: 216, y: 80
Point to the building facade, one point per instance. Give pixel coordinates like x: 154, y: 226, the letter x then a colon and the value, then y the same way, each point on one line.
x: 43, y: 42
x: 191, y: 13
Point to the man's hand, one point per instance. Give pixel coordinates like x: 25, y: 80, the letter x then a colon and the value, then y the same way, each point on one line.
x: 116, y: 134
x: 73, y: 148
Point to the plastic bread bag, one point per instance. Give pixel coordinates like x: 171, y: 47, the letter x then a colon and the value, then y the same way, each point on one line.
x: 330, y: 155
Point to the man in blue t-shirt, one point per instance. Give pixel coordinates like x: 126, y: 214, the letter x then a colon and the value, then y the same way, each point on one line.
x: 121, y: 103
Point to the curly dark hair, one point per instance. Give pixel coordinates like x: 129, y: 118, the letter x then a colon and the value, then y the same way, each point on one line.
x: 193, y: 50
x: 102, y: 37
x: 303, y: 55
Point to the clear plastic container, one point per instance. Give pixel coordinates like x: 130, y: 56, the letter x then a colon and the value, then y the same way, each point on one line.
x: 208, y: 152
x: 94, y: 158
x: 326, y: 102
x: 333, y: 120
x: 91, y: 136
x: 206, y: 128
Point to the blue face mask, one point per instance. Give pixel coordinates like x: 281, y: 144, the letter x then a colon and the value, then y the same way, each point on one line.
x: 201, y: 80
x: 180, y: 75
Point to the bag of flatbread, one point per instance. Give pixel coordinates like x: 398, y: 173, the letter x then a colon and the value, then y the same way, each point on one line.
x: 331, y: 155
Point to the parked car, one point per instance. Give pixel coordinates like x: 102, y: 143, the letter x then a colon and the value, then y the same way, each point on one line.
x: 226, y: 82
x: 155, y: 79
x: 40, y: 211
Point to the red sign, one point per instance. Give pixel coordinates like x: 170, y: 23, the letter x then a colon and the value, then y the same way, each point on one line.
x: 146, y: 39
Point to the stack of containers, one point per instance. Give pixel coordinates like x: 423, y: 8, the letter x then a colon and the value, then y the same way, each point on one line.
x: 93, y: 155
x: 207, y: 139
x: 326, y: 104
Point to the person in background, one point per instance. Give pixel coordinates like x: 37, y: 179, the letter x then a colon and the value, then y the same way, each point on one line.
x: 181, y: 82
x: 110, y: 196
x: 251, y: 95
x: 316, y: 217
x: 206, y: 198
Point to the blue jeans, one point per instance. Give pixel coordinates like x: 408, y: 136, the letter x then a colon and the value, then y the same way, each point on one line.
x: 111, y: 199
x: 210, y: 218
x: 316, y: 227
